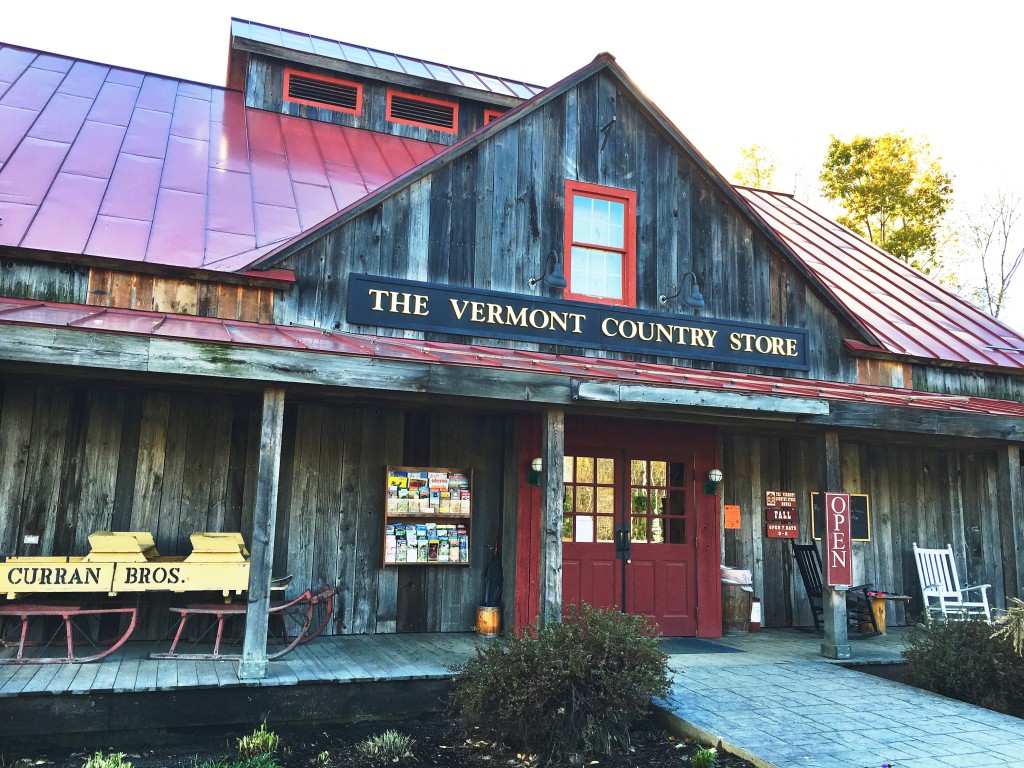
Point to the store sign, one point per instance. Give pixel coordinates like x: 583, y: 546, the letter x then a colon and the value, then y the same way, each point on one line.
x: 838, y: 553
x: 782, y: 521
x: 410, y: 305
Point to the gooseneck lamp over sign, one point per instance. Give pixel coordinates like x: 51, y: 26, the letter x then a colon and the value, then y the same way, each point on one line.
x: 692, y: 297
x: 553, y: 276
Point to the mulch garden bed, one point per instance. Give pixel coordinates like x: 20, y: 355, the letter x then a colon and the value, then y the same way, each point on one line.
x: 438, y: 742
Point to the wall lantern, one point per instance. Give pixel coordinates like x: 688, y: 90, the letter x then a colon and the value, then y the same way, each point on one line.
x: 533, y: 475
x: 552, y: 275
x: 691, y: 298
x: 711, y: 484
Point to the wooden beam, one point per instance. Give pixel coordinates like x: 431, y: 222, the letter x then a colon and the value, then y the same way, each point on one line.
x: 261, y: 559
x: 613, y: 392
x: 1010, y: 508
x: 553, y: 492
x: 836, y: 644
x: 123, y: 353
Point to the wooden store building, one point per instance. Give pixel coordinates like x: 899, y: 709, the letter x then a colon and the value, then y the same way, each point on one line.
x: 392, y: 320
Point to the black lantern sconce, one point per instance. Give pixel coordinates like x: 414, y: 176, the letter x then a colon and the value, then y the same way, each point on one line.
x: 711, y: 484
x: 692, y: 297
x: 552, y: 275
x: 533, y: 476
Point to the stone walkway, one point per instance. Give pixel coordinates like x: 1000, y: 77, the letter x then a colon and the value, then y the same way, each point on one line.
x: 781, y: 704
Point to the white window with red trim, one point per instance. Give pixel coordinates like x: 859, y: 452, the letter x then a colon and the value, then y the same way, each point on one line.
x: 600, y: 244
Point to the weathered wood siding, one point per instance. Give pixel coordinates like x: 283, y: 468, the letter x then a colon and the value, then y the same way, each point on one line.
x: 264, y: 89
x: 76, y: 459
x: 962, y: 381
x: 43, y: 281
x: 487, y: 219
x: 931, y: 496
x: 181, y: 296
x: 331, y: 512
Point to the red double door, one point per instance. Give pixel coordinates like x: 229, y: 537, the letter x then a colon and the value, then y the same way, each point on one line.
x: 632, y: 500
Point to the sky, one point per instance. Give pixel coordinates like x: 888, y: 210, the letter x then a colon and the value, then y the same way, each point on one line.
x: 784, y: 74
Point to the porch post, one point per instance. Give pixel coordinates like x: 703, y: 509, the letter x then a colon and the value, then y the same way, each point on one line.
x: 1010, y: 500
x: 836, y: 643
x: 261, y: 558
x: 553, y: 454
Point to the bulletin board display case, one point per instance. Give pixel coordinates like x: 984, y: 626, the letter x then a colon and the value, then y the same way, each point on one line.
x: 428, y: 516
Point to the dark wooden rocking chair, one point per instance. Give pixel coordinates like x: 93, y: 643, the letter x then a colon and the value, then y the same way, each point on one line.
x: 858, y: 606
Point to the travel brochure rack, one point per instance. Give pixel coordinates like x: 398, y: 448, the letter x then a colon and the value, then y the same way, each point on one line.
x: 427, y: 516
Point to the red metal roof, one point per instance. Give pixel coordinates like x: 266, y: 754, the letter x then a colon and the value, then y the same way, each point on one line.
x: 297, y: 338
x: 115, y: 163
x: 372, y: 57
x: 905, y: 311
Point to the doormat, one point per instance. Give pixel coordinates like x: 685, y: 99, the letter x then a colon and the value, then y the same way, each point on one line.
x: 690, y: 645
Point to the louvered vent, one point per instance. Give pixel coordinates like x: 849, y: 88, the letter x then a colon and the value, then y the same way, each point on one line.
x: 428, y: 113
x: 320, y: 91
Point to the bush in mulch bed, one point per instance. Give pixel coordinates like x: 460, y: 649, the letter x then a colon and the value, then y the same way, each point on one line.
x: 569, y: 688
x: 970, y: 661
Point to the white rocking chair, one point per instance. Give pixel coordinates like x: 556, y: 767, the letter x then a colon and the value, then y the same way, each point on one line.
x: 940, y: 586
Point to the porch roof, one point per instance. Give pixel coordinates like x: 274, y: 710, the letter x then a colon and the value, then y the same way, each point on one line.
x: 19, y: 312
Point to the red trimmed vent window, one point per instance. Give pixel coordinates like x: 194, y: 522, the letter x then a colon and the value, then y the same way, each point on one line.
x: 490, y: 115
x: 322, y: 91
x: 423, y: 112
x: 600, y: 244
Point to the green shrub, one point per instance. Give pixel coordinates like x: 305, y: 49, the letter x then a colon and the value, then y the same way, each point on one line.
x: 387, y: 747
x: 964, y: 660
x: 705, y: 757
x: 260, y: 742
x: 568, y: 688
x: 113, y: 760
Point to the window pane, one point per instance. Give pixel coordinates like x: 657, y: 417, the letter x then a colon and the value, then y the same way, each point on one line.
x: 657, y: 530
x: 567, y: 528
x: 567, y: 501
x: 585, y: 529
x: 677, y: 475
x: 584, y: 470
x: 598, y: 222
x: 596, y: 273
x: 567, y: 468
x: 658, y: 473
x: 584, y: 500
x: 638, y: 472
x: 606, y: 501
x: 639, y: 501
x: 605, y: 528
x: 606, y: 471
x: 639, y: 532
x: 677, y: 530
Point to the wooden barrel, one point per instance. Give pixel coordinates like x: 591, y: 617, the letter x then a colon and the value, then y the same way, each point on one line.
x: 735, y: 610
x: 488, y: 621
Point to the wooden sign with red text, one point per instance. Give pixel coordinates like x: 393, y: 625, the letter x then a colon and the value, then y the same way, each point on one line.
x: 838, y: 552
x: 782, y: 530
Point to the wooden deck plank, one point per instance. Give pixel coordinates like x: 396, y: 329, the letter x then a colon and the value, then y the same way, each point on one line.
x: 63, y: 679
x: 85, y: 677
x: 106, y: 674
x: 188, y: 674
x: 21, y: 678
x: 340, y: 656
x: 227, y: 673
x: 353, y: 645
x: 127, y: 674
x: 146, y: 678
x: 206, y: 672
x: 338, y: 664
x: 166, y: 674
x: 41, y: 679
x: 406, y: 657
x: 279, y: 673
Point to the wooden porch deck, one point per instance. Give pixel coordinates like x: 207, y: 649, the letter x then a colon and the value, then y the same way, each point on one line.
x: 342, y: 659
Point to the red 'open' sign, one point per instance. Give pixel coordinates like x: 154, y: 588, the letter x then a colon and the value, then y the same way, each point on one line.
x: 838, y: 555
